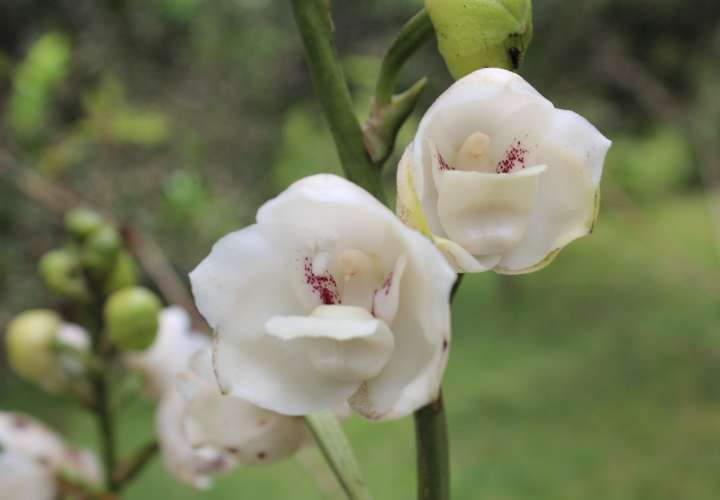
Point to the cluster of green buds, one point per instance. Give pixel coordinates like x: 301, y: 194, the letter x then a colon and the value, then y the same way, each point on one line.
x: 94, y: 278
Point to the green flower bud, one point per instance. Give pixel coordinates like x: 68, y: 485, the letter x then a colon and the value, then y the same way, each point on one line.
x: 28, y: 343
x: 100, y: 251
x: 122, y: 275
x: 481, y: 33
x: 131, y: 318
x: 82, y: 222
x: 61, y: 271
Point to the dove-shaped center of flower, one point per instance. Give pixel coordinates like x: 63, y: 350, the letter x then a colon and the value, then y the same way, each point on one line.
x: 352, y: 303
x: 486, y: 190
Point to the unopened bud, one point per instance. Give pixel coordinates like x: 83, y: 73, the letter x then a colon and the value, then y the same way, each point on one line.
x: 100, y: 251
x: 475, y: 34
x: 82, y: 222
x: 28, y: 343
x: 131, y: 318
x: 61, y: 271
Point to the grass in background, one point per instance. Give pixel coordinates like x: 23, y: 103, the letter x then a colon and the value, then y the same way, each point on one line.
x: 597, y: 378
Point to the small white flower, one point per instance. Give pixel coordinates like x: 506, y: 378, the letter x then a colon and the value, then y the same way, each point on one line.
x: 203, y: 432
x: 500, y: 178
x: 31, y: 456
x: 170, y: 353
x: 327, y: 298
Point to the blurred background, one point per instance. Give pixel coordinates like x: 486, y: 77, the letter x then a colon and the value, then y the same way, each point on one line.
x: 596, y: 378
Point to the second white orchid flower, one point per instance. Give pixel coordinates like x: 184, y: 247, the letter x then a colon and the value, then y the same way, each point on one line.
x: 500, y: 178
x: 328, y: 298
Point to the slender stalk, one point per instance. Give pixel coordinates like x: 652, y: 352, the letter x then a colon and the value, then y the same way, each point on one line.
x: 106, y: 428
x: 338, y: 453
x: 431, y: 436
x: 129, y: 470
x: 433, y: 464
x: 412, y: 36
x: 315, y: 26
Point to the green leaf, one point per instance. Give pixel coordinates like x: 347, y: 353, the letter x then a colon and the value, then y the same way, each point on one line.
x: 339, y: 455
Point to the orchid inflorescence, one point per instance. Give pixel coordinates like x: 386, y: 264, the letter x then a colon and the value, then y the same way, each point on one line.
x: 330, y: 301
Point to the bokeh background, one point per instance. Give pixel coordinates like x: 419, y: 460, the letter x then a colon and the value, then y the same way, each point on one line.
x: 596, y: 378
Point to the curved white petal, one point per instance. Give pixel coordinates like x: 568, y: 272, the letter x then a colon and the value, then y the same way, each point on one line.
x: 342, y: 342
x: 189, y: 464
x: 23, y: 478
x: 574, y: 152
x: 487, y: 214
x: 412, y: 376
x: 250, y: 434
x: 238, y: 288
x: 26, y: 437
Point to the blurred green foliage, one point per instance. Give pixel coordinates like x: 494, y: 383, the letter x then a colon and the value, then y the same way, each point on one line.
x: 35, y: 82
x: 596, y: 378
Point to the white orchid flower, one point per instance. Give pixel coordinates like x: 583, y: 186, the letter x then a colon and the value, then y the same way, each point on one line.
x: 31, y: 457
x: 500, y: 178
x: 203, y: 432
x: 328, y: 298
x: 174, y: 345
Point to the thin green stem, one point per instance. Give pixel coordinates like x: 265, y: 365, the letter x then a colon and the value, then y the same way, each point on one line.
x: 431, y: 436
x: 315, y: 26
x: 106, y: 428
x: 338, y: 453
x: 131, y: 468
x: 412, y: 36
x: 433, y: 459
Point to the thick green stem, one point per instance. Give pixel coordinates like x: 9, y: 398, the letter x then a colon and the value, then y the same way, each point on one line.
x: 413, y: 35
x: 315, y: 27
x: 433, y: 459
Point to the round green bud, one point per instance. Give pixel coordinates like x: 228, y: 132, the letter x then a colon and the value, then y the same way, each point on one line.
x: 100, y: 251
x: 131, y: 318
x: 62, y: 273
x: 475, y: 34
x: 123, y: 273
x: 82, y: 222
x: 28, y: 343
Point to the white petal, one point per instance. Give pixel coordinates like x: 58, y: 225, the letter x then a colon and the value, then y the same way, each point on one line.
x: 341, y: 342
x: 242, y: 283
x: 386, y: 300
x: 23, y: 478
x: 566, y: 209
x: 487, y: 214
x: 188, y: 464
x: 248, y: 433
x: 412, y: 376
x: 26, y: 436
x: 238, y: 287
x: 462, y: 260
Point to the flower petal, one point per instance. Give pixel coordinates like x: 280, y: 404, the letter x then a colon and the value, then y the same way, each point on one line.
x: 412, y: 376
x: 22, y: 478
x: 574, y: 152
x: 342, y: 342
x: 487, y: 214
x: 238, y: 288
